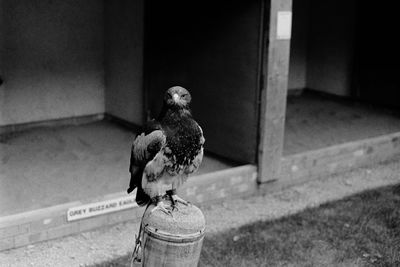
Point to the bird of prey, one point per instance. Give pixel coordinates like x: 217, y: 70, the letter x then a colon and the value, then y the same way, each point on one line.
x: 164, y: 155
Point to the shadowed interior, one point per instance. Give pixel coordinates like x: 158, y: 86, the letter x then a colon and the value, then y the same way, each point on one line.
x: 49, y: 166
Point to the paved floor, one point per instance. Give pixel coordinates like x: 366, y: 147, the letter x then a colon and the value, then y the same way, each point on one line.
x: 116, y: 241
x: 314, y: 121
x: 49, y: 166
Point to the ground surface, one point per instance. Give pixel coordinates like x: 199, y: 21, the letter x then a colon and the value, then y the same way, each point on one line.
x: 314, y: 121
x: 361, y: 230
x: 109, y: 243
x: 50, y: 166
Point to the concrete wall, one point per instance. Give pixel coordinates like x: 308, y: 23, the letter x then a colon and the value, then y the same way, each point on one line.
x: 124, y: 59
x: 298, y: 45
x: 322, y: 46
x: 51, y: 55
x: 330, y: 46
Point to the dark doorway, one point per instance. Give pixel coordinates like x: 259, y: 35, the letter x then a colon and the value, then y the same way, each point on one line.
x: 212, y: 49
x: 378, y: 54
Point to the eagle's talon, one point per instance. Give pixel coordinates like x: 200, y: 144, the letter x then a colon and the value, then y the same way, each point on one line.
x: 174, y: 207
x: 161, y: 206
x: 176, y: 199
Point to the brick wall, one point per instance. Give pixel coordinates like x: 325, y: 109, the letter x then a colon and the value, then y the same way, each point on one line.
x: 49, y: 223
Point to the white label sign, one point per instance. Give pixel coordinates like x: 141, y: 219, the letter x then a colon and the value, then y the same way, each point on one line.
x: 102, y: 207
x: 284, y: 25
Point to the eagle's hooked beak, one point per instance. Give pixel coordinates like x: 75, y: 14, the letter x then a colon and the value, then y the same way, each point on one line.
x: 175, y: 97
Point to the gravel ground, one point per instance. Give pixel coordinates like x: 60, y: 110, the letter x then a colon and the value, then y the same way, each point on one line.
x: 115, y: 241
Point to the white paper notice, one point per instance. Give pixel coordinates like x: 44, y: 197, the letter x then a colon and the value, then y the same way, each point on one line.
x: 284, y: 25
x: 102, y: 207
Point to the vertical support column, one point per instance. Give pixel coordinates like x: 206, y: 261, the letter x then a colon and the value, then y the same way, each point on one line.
x: 274, y: 80
x: 2, y: 29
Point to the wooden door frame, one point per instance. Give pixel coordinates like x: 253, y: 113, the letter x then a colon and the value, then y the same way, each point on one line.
x: 275, y: 53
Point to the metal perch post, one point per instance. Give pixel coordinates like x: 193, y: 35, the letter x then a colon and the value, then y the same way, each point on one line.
x: 167, y: 240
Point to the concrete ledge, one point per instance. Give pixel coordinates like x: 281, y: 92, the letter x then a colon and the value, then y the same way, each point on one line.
x: 339, y: 158
x: 48, y: 223
x: 6, y: 129
x: 127, y: 124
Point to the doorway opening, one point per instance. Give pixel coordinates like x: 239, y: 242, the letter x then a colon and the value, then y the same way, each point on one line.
x: 341, y: 87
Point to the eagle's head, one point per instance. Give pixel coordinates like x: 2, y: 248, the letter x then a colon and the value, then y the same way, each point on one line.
x: 177, y: 96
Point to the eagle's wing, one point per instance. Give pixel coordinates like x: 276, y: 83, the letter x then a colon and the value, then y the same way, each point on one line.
x: 156, y: 166
x: 202, y: 139
x: 144, y: 149
x: 161, y: 161
x: 195, y: 164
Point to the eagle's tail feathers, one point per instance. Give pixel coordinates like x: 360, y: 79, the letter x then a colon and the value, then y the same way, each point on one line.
x: 130, y: 189
x: 141, y: 197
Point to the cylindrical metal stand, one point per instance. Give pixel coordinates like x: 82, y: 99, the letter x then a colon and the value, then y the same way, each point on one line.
x: 172, y: 240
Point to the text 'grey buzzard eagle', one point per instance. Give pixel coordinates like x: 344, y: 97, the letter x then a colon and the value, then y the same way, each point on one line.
x: 168, y: 151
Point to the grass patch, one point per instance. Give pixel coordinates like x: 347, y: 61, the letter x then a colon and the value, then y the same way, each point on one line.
x: 362, y: 230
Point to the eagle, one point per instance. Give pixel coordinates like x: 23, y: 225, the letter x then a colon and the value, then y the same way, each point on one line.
x: 166, y: 153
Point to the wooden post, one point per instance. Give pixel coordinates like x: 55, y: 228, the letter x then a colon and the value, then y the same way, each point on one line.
x: 275, y: 68
x: 172, y: 240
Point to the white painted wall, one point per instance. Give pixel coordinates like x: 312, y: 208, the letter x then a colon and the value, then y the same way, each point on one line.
x: 51, y: 55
